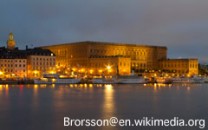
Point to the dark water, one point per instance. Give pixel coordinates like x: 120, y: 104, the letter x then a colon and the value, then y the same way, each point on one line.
x: 43, y: 107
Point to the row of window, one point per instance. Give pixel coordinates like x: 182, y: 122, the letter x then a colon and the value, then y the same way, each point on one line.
x: 12, y: 70
x: 118, y: 50
x: 13, y: 65
x: 180, y: 65
x: 14, y: 61
x: 43, y: 59
x: 46, y: 63
x: 100, y: 52
x: 141, y: 65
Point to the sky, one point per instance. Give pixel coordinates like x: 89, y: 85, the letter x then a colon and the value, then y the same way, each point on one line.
x: 181, y: 25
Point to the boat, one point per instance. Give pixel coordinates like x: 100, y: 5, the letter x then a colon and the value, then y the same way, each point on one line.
x: 119, y: 79
x: 130, y: 79
x: 103, y: 80
x: 164, y: 80
x: 56, y: 79
x: 194, y: 79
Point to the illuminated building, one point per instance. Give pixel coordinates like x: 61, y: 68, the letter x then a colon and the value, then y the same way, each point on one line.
x: 39, y: 61
x: 110, y: 65
x: 181, y: 67
x: 95, y: 55
x: 94, y: 58
x: 13, y: 66
x: 29, y: 63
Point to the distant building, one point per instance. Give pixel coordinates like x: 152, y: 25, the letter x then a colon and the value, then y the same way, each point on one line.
x: 181, y: 67
x: 40, y: 61
x: 29, y: 63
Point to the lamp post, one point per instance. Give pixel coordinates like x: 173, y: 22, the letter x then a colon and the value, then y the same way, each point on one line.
x: 1, y: 74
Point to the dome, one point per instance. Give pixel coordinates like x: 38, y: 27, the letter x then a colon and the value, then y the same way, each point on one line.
x: 11, y: 42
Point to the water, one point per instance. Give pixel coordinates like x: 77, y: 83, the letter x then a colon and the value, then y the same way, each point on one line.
x: 43, y: 107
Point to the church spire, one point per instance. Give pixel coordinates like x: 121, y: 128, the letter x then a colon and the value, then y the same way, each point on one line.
x: 11, y: 42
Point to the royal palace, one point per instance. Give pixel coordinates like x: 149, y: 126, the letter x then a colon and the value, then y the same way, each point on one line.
x: 110, y: 58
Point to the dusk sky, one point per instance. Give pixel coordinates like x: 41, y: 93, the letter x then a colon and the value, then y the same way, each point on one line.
x: 181, y: 25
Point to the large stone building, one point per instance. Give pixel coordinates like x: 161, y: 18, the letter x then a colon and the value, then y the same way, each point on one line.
x: 96, y: 55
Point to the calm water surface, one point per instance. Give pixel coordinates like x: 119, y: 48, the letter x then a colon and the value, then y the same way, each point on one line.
x: 43, y: 107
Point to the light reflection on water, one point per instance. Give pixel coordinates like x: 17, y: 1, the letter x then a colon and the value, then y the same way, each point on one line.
x: 44, y: 106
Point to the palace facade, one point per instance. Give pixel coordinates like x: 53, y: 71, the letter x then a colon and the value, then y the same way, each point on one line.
x: 93, y: 57
x: 96, y: 55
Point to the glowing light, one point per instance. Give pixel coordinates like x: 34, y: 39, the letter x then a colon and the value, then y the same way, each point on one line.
x: 108, y: 67
x: 74, y: 69
x: 82, y: 70
x: 91, y: 71
x: 100, y: 71
x: 1, y: 73
x: 1, y: 87
x: 52, y: 72
x: 53, y: 80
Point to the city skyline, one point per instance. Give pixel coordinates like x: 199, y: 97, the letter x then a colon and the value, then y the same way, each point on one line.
x: 179, y: 25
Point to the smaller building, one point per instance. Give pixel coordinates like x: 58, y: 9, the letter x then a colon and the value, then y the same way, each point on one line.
x: 40, y: 61
x: 111, y: 65
x: 180, y: 67
x: 12, y: 64
x: 29, y: 63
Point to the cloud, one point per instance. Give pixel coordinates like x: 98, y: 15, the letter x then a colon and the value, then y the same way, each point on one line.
x: 181, y: 25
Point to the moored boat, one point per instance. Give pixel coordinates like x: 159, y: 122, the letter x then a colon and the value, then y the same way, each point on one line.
x: 164, y: 80
x: 131, y: 79
x: 120, y: 79
x: 103, y: 81
x: 188, y: 80
x: 56, y: 79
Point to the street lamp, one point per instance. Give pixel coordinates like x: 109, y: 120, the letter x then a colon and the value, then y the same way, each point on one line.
x: 108, y: 67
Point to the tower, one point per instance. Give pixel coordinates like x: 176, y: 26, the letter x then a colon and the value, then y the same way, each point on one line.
x: 11, y: 42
